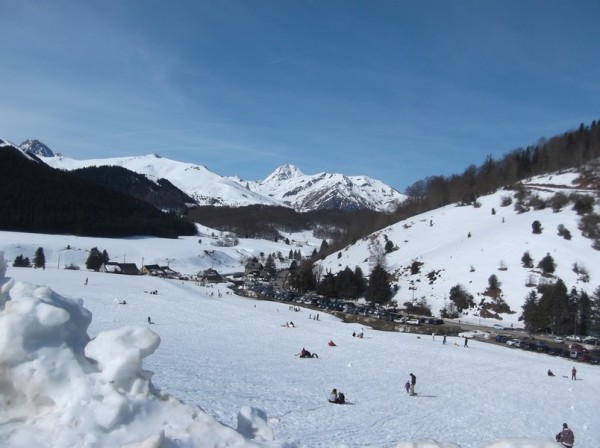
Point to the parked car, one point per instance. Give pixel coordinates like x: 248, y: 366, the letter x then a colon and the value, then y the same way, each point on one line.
x: 541, y: 347
x: 559, y: 340
x: 434, y: 321
x: 502, y: 338
x: 555, y: 351
x: 573, y: 337
x: 584, y: 357
x: 513, y: 342
x: 498, y: 327
x: 591, y: 341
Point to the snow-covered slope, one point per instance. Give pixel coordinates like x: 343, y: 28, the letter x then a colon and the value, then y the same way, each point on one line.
x: 231, y: 363
x: 467, y: 244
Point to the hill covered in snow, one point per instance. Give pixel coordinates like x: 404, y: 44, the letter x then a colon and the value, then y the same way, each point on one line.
x: 466, y: 244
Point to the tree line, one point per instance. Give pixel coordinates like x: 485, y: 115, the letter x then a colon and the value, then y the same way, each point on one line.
x: 572, y: 149
x: 552, y: 308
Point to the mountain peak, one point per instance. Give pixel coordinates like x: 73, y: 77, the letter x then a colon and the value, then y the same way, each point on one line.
x: 284, y: 172
x: 36, y: 147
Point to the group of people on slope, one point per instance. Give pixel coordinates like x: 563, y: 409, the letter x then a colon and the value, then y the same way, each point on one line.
x: 573, y: 373
x: 337, y: 397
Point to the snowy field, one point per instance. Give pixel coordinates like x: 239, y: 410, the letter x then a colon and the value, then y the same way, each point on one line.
x: 221, y: 353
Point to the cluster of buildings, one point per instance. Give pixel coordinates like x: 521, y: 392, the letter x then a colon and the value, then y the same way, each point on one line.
x: 253, y: 268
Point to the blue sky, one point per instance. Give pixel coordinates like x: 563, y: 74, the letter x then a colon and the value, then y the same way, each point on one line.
x: 395, y: 90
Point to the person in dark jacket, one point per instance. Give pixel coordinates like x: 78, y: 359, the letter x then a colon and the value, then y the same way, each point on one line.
x: 413, y: 381
x: 566, y: 436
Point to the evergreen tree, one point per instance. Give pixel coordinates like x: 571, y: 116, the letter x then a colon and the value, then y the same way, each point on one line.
x: 554, y: 312
x: 327, y: 286
x: 105, y: 257
x: 461, y: 298
x: 324, y: 248
x: 547, y: 264
x: 95, y: 260
x: 493, y: 282
x: 302, y: 278
x: 584, y: 313
x: 378, y: 290
x: 595, y: 310
x: 21, y: 262
x: 360, y: 280
x: 530, y: 314
x: 389, y: 246
x: 270, y: 267
x: 527, y: 260
x: 39, y: 259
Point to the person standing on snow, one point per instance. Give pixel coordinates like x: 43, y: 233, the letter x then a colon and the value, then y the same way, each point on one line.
x: 574, y: 374
x: 413, y: 381
x: 566, y: 436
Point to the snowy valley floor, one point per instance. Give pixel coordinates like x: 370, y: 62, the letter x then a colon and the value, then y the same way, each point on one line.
x: 222, y: 352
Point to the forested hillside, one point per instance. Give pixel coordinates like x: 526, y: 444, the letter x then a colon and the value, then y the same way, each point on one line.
x: 572, y: 149
x: 162, y: 194
x: 37, y: 198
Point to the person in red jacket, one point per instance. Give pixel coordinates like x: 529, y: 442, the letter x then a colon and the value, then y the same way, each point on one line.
x: 566, y: 436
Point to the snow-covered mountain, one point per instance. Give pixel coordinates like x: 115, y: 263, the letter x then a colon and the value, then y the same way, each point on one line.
x: 206, y: 187
x: 37, y: 148
x: 287, y: 186
x: 5, y: 145
x: 304, y: 192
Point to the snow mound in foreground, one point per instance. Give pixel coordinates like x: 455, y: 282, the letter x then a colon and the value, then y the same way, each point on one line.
x: 59, y: 388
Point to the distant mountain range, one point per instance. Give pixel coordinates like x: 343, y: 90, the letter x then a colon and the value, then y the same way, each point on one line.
x: 287, y: 186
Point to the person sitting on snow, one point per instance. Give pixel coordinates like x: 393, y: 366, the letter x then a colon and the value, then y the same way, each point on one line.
x: 332, y: 344
x: 333, y: 396
x: 304, y: 353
